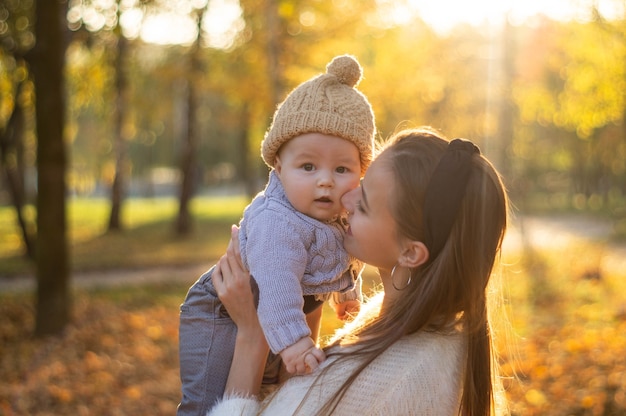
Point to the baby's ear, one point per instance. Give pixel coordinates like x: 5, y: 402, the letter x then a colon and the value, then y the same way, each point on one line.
x: 278, y: 166
x: 414, y: 254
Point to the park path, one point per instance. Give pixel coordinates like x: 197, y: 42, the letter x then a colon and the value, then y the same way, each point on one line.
x: 112, y: 278
x: 537, y: 231
x: 561, y: 231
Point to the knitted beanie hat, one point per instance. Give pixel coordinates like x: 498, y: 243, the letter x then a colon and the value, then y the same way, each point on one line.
x: 328, y: 104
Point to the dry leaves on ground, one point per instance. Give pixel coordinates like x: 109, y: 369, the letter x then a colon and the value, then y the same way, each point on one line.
x: 112, y: 360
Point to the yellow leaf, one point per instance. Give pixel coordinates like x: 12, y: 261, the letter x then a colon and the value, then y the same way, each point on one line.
x: 587, y: 402
x: 535, y: 397
x: 133, y: 392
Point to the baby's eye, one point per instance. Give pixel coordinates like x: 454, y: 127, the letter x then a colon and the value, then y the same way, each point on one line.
x: 342, y: 169
x: 308, y: 167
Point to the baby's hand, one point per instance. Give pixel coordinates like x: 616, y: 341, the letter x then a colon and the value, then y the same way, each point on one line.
x: 348, y: 309
x: 302, y: 357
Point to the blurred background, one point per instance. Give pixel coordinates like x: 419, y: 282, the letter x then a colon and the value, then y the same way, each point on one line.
x: 130, y: 133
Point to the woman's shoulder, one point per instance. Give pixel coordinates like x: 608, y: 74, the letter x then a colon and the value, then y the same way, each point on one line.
x: 419, y: 373
x: 452, y: 338
x: 420, y: 357
x: 437, y: 352
x: 414, y: 349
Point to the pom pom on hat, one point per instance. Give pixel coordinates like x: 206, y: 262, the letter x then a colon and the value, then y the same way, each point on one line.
x: 327, y: 104
x: 346, y: 69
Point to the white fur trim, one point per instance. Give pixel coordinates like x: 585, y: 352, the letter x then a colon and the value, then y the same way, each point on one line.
x: 235, y: 405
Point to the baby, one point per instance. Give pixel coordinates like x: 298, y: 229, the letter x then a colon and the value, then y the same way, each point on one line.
x: 291, y: 236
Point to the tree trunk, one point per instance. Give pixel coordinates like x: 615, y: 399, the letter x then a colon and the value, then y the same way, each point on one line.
x: 48, y: 61
x: 120, y: 149
x: 273, y: 50
x: 188, y: 165
x: 11, y: 154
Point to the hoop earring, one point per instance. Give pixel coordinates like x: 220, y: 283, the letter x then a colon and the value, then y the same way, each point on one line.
x: 393, y: 278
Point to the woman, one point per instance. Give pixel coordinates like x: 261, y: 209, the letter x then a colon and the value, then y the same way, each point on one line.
x: 430, y: 215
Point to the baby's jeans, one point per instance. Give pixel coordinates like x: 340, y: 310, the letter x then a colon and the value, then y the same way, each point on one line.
x: 206, y: 345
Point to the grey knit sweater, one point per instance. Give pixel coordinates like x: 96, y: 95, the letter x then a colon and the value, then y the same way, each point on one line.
x: 290, y: 255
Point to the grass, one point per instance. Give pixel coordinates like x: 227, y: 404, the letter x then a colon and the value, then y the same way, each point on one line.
x: 561, y: 354
x: 147, y: 241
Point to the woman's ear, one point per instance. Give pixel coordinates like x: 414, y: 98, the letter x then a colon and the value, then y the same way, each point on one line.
x: 414, y: 254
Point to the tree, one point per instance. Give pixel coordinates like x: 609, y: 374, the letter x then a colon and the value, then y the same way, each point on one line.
x: 102, y: 21
x: 188, y: 166
x: 47, y: 62
x: 119, y: 139
x: 12, y: 163
x: 15, y: 89
x: 567, y: 90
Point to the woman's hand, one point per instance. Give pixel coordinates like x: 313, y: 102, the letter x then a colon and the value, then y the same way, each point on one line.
x: 234, y: 287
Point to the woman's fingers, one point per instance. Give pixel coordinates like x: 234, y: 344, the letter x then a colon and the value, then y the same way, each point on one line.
x: 235, y: 272
x: 234, y: 236
x: 221, y: 269
x: 233, y: 250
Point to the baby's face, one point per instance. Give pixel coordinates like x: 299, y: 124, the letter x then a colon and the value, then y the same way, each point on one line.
x: 316, y: 170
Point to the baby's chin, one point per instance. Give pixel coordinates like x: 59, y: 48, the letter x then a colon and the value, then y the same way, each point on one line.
x: 326, y: 218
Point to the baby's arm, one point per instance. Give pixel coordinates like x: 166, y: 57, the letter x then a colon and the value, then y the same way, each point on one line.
x: 302, y: 357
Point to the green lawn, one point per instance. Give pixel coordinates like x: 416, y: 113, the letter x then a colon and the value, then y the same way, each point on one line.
x: 148, y: 239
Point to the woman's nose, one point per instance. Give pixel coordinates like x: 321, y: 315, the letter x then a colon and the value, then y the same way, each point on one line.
x: 347, y: 200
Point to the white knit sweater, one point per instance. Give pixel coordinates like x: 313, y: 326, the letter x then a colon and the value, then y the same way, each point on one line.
x: 418, y: 375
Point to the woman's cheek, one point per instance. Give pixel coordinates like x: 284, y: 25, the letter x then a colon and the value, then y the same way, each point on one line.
x: 353, y: 242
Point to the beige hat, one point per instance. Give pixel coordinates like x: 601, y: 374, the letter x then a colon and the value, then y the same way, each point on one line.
x: 328, y: 104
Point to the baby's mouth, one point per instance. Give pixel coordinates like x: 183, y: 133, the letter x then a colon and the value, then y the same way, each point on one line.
x: 324, y: 199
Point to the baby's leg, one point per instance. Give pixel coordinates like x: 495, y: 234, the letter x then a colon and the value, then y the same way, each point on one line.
x: 206, y: 345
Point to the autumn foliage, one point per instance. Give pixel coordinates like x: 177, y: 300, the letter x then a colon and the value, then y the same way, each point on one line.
x: 564, y: 353
x: 117, y: 358
x: 567, y: 310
